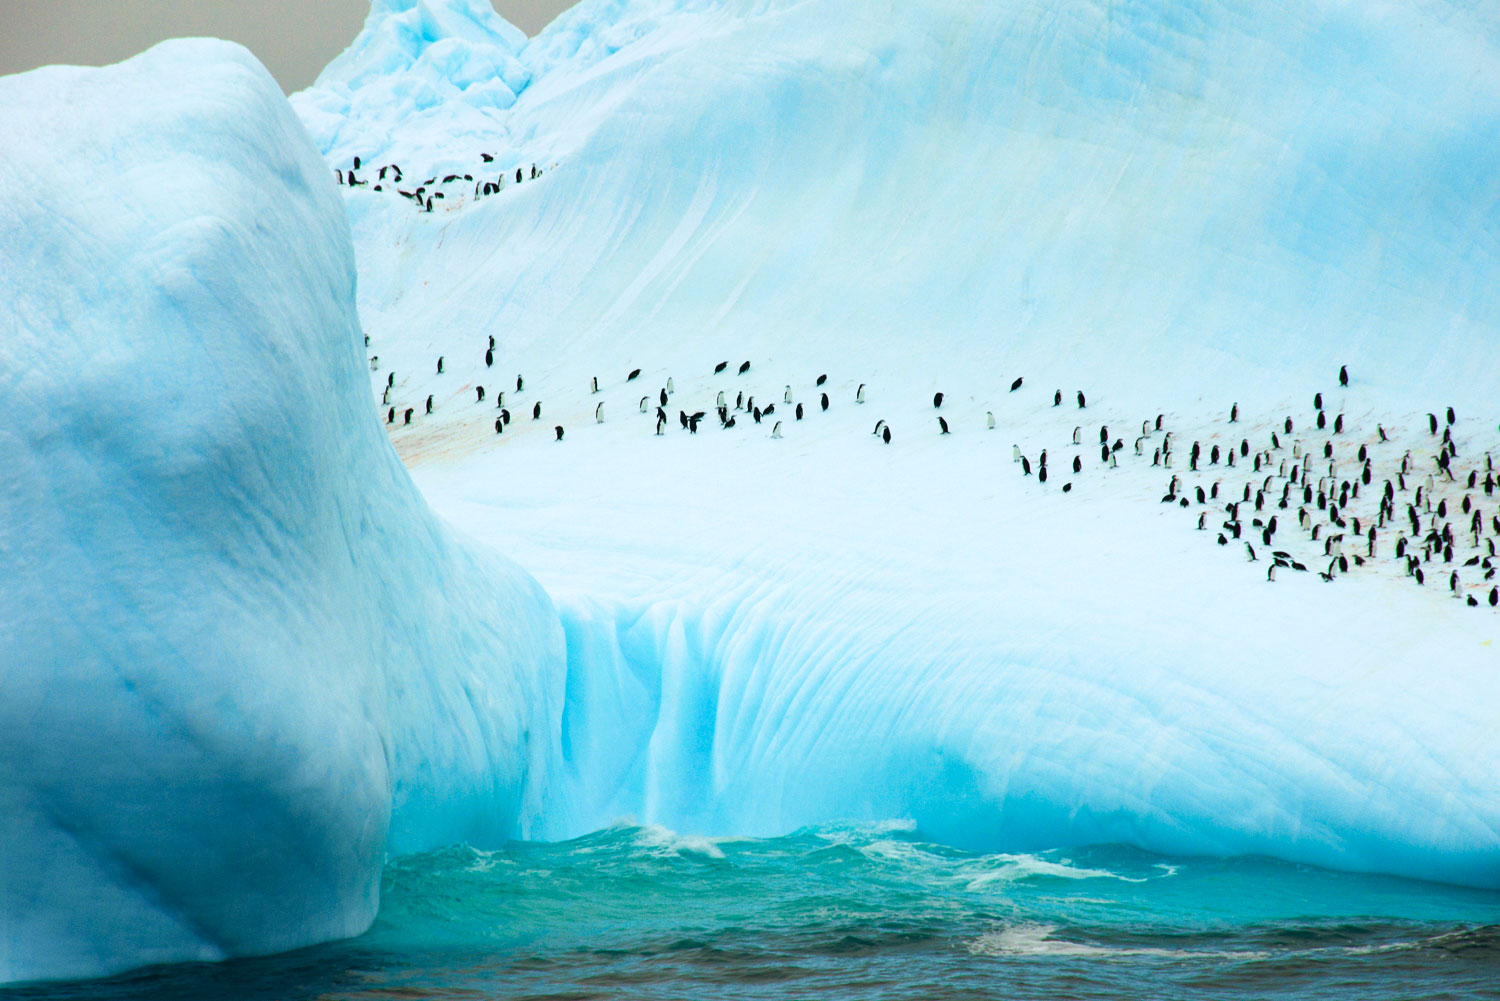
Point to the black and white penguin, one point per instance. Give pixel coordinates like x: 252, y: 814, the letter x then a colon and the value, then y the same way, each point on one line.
x: 1317, y: 401
x: 885, y: 436
x: 1057, y: 398
x: 559, y: 430
x: 645, y: 404
x: 989, y: 419
x: 499, y: 425
x: 744, y: 367
x: 776, y: 431
x: 505, y: 416
x: 682, y: 418
x: 878, y: 426
x: 799, y: 411
x: 661, y: 423
x: 594, y: 384
x: 662, y: 397
x: 1041, y: 474
x: 1234, y: 412
x: 943, y: 424
x: 519, y: 383
x: 536, y: 411
x: 408, y: 416
x: 671, y: 387
x: 1451, y: 416
x: 823, y: 400
x: 390, y: 417
x: 859, y: 394
x: 1080, y: 399
x: 440, y: 365
x: 479, y: 392
x: 599, y: 414
x: 1343, y: 375
x: 937, y: 400
x: 1077, y: 465
x: 489, y: 358
x: 1338, y: 424
x: 755, y: 414
x: 635, y: 374
x: 1432, y: 423
x: 390, y: 380
x: 1015, y: 385
x: 720, y: 367
x: 822, y: 379
x: 429, y: 404
x: 1025, y: 466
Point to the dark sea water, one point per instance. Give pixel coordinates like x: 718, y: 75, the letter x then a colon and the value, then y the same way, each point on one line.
x: 865, y: 912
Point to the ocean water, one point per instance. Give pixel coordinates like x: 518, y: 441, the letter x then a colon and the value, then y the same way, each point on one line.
x: 864, y: 911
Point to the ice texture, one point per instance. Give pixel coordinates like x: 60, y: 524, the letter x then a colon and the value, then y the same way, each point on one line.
x: 241, y: 659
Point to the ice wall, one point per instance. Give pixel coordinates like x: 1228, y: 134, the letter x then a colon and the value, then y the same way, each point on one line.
x: 241, y: 660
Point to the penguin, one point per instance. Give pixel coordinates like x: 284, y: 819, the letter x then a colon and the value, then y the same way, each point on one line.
x: 859, y: 394
x: 1067, y: 488
x: 1343, y: 375
x: 776, y: 430
x: 440, y: 365
x: 878, y: 425
x: 744, y: 367
x: 755, y: 414
x: 429, y: 404
x: 479, y: 391
x: 1076, y: 431
x: 1057, y: 398
x: 1234, y: 412
x: 1025, y: 466
x: 559, y: 430
x: 489, y: 358
x: 1381, y: 431
x: 1041, y: 474
x: 885, y: 436
x: 1338, y: 424
x: 385, y: 397
x: 1077, y: 465
x: 390, y: 380
x: 390, y: 417
x: 822, y: 379
x: 599, y: 414
x: 693, y: 420
x: 786, y: 395
x: 1158, y: 422
x: 1432, y: 423
x: 662, y: 397
x: 937, y: 400
x: 989, y: 419
x: 799, y: 411
x: 536, y: 411
x: 720, y: 401
x: 356, y: 163
x: 1080, y: 399
x: 661, y: 423
x: 1250, y: 551
x: 739, y: 401
x: 720, y: 367
x: 824, y: 401
x: 1451, y: 417
x: 682, y: 418
x: 1494, y: 597
x: 770, y: 409
x: 505, y: 416
x: 594, y: 384
x: 943, y: 424
x: 1271, y: 573
x: 518, y: 383
x: 1288, y: 426
x: 635, y: 374
x: 645, y: 403
x: 500, y: 399
x: 408, y: 416
x: 1015, y: 385
x: 1015, y: 453
x: 671, y: 387
x: 499, y: 425
x: 518, y: 181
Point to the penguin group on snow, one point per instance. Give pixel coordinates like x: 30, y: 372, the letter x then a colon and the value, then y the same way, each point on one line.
x: 485, y: 179
x: 1316, y: 495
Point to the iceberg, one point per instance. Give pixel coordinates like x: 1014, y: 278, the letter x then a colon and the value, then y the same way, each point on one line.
x: 242, y: 660
x: 257, y: 643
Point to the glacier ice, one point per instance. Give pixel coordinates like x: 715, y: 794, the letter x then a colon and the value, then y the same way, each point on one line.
x: 232, y: 627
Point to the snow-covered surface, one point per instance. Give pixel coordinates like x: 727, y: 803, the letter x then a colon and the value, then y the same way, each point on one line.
x: 241, y: 659
x: 1174, y: 207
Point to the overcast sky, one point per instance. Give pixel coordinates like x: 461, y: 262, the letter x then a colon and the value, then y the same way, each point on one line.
x: 294, y: 38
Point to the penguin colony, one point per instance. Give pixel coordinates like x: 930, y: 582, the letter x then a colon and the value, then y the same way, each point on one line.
x: 1299, y: 493
x: 448, y: 188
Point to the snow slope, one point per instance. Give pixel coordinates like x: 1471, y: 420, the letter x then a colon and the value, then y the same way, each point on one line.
x: 242, y: 661
x: 1174, y: 207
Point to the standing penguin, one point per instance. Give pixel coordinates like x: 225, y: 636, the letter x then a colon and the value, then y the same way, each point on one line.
x: 671, y: 388
x: 661, y: 423
x: 594, y: 384
x: 662, y: 397
x: 885, y: 436
x: 1234, y: 412
x: 989, y: 419
x: 479, y: 390
x: 1057, y: 398
x: 943, y: 424
x: 499, y: 425
x: 824, y: 401
x: 786, y: 396
x: 1080, y: 399
x: 390, y: 417
x: 799, y: 411
x: 440, y: 365
x: 429, y: 404
x: 1343, y: 375
x: 559, y: 430
x: 489, y: 358
x: 859, y: 394
x: 536, y: 411
x: 599, y: 414
x: 519, y: 383
x: 776, y: 431
x: 937, y: 400
x: 645, y: 404
x: 408, y: 416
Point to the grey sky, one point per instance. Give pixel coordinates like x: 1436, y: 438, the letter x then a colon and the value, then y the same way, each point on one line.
x: 294, y: 38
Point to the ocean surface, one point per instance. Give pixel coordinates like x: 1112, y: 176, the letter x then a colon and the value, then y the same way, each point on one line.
x: 864, y: 911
